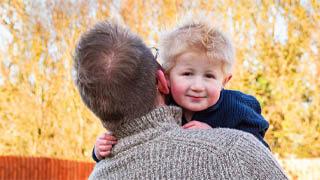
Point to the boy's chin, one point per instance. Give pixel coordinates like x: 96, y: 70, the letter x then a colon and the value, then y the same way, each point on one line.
x: 196, y: 109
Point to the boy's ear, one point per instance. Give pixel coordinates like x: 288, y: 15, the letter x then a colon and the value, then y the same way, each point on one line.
x: 162, y: 82
x: 226, y: 79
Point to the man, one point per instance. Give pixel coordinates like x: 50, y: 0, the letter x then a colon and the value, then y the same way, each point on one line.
x: 121, y: 82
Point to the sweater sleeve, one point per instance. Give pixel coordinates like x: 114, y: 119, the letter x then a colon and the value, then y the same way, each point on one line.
x: 94, y: 157
x: 252, y: 120
x: 252, y: 102
x: 255, y: 160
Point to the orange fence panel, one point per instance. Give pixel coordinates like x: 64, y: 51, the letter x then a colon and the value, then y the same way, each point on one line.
x: 18, y: 168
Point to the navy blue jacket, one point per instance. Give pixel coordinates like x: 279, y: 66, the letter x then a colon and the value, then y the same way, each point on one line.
x: 235, y: 110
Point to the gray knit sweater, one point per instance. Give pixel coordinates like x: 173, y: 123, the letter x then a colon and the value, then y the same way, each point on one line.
x: 156, y: 147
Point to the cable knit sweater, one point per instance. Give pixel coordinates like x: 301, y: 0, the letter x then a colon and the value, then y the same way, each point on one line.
x: 156, y: 147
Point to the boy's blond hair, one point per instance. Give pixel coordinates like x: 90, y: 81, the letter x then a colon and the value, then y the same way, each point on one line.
x: 196, y: 36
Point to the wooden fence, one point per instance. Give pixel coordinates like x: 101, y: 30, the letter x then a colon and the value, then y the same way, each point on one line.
x: 33, y: 168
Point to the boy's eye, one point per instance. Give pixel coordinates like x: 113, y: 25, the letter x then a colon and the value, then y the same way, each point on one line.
x: 210, y: 76
x: 187, y: 74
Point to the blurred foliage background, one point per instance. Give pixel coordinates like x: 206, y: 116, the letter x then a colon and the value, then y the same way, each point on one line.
x: 41, y: 113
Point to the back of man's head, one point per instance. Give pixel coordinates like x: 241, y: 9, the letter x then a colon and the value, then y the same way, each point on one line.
x: 115, y: 73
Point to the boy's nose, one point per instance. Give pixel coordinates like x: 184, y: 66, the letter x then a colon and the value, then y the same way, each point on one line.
x: 197, y: 86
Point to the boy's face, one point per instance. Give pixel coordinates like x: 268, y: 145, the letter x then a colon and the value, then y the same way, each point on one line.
x: 195, y: 82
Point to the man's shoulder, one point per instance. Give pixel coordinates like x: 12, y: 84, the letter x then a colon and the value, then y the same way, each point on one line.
x: 217, y: 139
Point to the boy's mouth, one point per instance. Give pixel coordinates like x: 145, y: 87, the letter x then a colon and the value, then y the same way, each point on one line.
x: 196, y: 98
x: 192, y: 96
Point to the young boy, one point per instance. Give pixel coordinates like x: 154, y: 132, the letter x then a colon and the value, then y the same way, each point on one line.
x: 198, y: 61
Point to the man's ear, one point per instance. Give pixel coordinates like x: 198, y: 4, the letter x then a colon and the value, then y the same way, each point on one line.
x: 168, y: 80
x: 226, y: 79
x: 162, y: 83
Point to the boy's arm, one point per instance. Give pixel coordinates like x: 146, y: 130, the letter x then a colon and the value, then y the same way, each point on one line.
x: 252, y: 102
x: 253, y: 121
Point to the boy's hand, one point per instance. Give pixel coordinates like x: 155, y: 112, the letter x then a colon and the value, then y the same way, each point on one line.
x: 103, y: 145
x: 196, y: 125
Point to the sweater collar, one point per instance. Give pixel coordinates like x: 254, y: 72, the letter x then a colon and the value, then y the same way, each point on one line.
x: 154, y: 119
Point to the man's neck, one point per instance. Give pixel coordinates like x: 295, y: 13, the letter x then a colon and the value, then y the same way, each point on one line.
x: 160, y: 99
x: 158, y: 117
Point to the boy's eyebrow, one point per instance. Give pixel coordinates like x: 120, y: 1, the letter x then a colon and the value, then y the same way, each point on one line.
x: 187, y: 69
x: 213, y: 72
